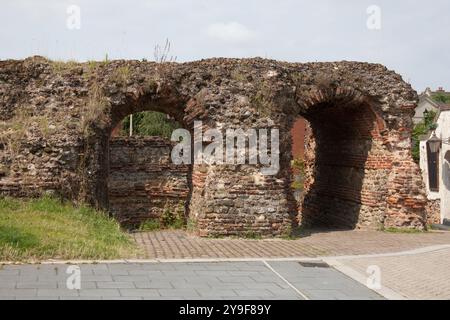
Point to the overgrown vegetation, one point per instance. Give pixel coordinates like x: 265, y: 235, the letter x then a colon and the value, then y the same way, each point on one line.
x: 294, y: 233
x: 402, y: 230
x: 420, y: 129
x: 96, y: 110
x: 46, y: 228
x: 13, y: 131
x: 150, y: 225
x: 298, y: 170
x: 191, y: 225
x: 167, y: 221
x: 170, y: 219
x: 161, y: 53
x: 261, y: 100
x: 252, y: 235
x: 150, y: 123
x: 121, y: 75
x: 60, y: 67
x: 238, y: 76
x: 441, y: 97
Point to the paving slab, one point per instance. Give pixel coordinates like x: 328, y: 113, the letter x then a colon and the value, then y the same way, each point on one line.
x: 412, y: 276
x: 212, y: 280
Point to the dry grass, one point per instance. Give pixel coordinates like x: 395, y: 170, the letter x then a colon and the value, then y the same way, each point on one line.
x: 61, y: 67
x: 96, y: 111
x: 121, y: 75
x: 13, y: 131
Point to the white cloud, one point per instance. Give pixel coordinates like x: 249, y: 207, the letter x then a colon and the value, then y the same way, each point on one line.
x: 230, y: 32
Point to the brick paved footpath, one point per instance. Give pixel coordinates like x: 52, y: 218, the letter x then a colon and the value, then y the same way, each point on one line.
x: 180, y: 245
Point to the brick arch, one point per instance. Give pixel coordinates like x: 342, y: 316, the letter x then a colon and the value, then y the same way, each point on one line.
x: 347, y: 161
x: 131, y: 177
x: 359, y: 167
x: 95, y: 161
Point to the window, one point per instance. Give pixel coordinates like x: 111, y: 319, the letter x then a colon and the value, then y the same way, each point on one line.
x: 433, y: 169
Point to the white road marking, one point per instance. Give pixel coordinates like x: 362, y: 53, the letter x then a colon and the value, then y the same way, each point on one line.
x: 284, y: 279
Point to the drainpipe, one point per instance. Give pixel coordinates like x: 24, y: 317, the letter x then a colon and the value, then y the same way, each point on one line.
x: 131, y: 125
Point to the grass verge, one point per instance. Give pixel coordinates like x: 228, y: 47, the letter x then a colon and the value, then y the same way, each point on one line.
x: 402, y: 230
x: 32, y: 230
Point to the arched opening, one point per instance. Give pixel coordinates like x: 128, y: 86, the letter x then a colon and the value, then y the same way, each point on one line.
x: 132, y: 177
x: 346, y: 167
x: 144, y: 186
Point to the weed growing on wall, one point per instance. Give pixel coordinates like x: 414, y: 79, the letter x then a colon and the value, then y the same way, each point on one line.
x: 96, y: 109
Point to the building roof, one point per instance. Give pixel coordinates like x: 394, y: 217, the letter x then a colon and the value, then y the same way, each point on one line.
x: 429, y: 92
x: 429, y: 96
x: 444, y: 107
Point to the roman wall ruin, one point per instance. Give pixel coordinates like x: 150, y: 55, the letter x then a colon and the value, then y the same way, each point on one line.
x: 56, y: 121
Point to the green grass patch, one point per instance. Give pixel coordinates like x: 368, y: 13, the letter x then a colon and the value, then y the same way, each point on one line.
x: 191, y: 225
x: 168, y: 220
x: 46, y: 228
x: 402, y: 230
x: 294, y: 233
x: 171, y: 220
x: 251, y: 235
x: 150, y: 225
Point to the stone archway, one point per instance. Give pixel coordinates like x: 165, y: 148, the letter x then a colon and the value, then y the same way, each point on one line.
x: 360, y: 117
x: 132, y: 178
x: 348, y: 167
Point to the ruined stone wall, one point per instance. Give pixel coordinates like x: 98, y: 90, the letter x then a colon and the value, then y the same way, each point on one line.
x: 143, y: 184
x: 40, y: 168
x: 433, y: 211
x: 56, y: 120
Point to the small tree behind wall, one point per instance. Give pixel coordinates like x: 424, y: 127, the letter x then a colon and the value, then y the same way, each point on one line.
x: 441, y: 97
x: 150, y: 123
x: 422, y: 128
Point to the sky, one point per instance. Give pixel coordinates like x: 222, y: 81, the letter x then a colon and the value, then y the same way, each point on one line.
x: 411, y: 37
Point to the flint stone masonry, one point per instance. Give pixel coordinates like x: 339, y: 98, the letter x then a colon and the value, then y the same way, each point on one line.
x: 57, y: 119
x: 433, y: 210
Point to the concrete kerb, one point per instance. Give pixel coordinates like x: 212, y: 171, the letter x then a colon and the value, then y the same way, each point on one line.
x: 243, y: 259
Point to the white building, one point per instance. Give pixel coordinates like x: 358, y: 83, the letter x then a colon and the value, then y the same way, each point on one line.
x: 436, y: 166
x: 427, y: 103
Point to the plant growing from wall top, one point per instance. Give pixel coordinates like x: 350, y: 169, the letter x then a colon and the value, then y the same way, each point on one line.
x: 161, y: 53
x: 298, y: 170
